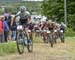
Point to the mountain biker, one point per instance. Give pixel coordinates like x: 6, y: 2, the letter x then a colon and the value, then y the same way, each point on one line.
x: 25, y: 19
x: 50, y: 26
x: 1, y: 29
x: 43, y: 28
x: 52, y: 29
x: 43, y: 23
x: 63, y: 26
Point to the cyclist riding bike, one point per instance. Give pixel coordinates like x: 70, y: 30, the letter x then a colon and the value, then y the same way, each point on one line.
x: 25, y: 19
x: 43, y: 28
x: 43, y: 23
x: 63, y: 27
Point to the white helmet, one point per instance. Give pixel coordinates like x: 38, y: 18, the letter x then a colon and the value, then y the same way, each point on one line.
x: 43, y: 19
x: 49, y: 21
x: 22, y: 8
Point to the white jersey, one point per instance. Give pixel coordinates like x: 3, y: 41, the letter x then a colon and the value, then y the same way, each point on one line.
x: 43, y: 19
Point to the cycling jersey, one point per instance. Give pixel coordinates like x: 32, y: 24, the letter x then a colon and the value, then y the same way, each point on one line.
x: 50, y: 27
x: 36, y: 27
x: 23, y: 17
x: 1, y: 26
x: 43, y: 26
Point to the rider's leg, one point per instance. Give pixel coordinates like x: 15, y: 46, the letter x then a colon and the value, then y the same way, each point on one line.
x: 26, y: 30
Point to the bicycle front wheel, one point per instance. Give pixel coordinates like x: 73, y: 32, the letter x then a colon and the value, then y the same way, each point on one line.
x: 20, y: 43
x: 51, y: 39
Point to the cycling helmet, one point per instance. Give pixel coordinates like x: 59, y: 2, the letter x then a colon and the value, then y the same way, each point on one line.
x: 43, y: 19
x: 22, y: 8
x: 62, y: 23
x: 49, y: 21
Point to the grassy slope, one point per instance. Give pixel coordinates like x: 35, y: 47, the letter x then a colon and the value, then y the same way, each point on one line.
x: 66, y: 49
x: 7, y: 48
x: 10, y: 47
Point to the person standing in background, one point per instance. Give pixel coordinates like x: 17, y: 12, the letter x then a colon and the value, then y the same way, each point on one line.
x: 9, y: 20
x: 13, y: 29
x: 2, y: 29
x: 6, y: 13
x: 6, y: 29
x: 9, y: 24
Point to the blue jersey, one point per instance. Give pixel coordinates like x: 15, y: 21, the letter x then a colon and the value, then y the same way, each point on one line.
x: 6, y: 27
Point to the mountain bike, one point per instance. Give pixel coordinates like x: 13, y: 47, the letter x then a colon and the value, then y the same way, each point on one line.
x: 22, y: 40
x: 44, y: 35
x: 50, y: 37
x: 61, y: 35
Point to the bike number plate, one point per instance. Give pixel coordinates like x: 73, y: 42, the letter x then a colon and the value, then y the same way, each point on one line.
x: 37, y: 31
x: 48, y: 31
x: 61, y: 31
x: 55, y: 30
x: 19, y: 27
x: 44, y: 30
x: 29, y: 30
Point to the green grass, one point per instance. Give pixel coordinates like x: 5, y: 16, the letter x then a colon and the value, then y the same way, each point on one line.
x: 70, y: 32
x: 68, y: 48
x: 7, y: 48
x: 10, y: 47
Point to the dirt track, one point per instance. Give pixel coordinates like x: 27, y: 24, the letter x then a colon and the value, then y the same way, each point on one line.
x: 43, y: 51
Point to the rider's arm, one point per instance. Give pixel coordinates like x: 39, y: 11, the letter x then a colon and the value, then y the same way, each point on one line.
x: 29, y: 20
x: 29, y: 17
x: 41, y: 25
x: 14, y: 18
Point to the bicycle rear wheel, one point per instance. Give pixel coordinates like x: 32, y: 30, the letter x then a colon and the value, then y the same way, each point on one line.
x: 20, y: 43
x: 30, y: 44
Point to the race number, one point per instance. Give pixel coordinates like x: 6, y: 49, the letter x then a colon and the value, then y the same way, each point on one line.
x: 19, y: 27
x: 61, y: 31
x: 48, y: 31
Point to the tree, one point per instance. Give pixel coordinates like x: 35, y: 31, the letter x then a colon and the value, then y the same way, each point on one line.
x: 55, y: 9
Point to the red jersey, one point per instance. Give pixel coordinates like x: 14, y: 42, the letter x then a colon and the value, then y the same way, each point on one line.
x: 1, y: 26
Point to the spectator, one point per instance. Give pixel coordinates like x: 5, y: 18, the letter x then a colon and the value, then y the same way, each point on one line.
x: 9, y: 24
x: 6, y: 13
x: 6, y: 29
x: 9, y: 20
x: 1, y: 29
x: 13, y: 28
